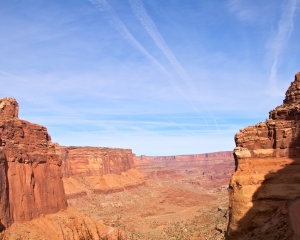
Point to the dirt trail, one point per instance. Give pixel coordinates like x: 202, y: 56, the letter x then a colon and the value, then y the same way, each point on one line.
x: 294, y: 212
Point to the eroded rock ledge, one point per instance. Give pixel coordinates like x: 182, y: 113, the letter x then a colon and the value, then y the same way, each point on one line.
x: 267, y: 159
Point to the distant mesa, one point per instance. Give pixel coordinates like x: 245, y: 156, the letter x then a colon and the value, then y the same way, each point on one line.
x: 226, y: 155
x: 95, y: 161
x: 103, y: 170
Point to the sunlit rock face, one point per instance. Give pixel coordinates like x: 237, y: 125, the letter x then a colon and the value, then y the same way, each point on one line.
x: 30, y: 169
x: 226, y: 155
x: 267, y: 176
x: 98, y: 170
x: 9, y: 108
x: 95, y: 161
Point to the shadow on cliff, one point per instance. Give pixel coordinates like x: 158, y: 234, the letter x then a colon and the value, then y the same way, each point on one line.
x: 269, y: 218
x: 2, y: 227
x: 4, y: 194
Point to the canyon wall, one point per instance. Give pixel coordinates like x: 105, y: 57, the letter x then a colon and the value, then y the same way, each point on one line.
x: 267, y: 176
x: 98, y: 170
x: 211, y: 170
x: 30, y: 169
x: 95, y: 161
x: 226, y: 155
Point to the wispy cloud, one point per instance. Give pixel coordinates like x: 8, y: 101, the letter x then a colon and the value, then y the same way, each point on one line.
x: 150, y: 137
x: 140, y: 12
x: 116, y: 22
x: 13, y: 77
x: 152, y: 143
x: 278, y: 42
x: 131, y: 73
x: 147, y: 22
x: 244, y: 13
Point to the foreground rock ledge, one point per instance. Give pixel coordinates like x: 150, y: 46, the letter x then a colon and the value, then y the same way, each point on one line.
x: 267, y: 180
x: 30, y: 169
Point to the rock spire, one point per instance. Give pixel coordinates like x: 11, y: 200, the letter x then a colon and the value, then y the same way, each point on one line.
x: 30, y: 169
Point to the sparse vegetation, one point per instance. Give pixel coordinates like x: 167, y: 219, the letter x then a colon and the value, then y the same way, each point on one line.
x: 173, y: 204
x: 83, y: 232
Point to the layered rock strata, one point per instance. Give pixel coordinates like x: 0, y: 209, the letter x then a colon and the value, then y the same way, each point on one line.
x: 226, y: 155
x: 30, y: 169
x: 210, y: 170
x: 95, y: 161
x: 267, y: 159
x: 98, y: 170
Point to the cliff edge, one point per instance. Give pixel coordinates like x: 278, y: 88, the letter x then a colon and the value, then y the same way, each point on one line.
x: 98, y: 170
x: 226, y: 155
x: 30, y: 175
x: 264, y: 190
x: 95, y: 161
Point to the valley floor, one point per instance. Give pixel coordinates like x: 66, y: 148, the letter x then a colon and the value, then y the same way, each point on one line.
x: 172, y: 202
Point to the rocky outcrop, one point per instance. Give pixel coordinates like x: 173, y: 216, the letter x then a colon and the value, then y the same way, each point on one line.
x: 30, y: 169
x: 95, y: 161
x: 68, y: 224
x: 267, y: 159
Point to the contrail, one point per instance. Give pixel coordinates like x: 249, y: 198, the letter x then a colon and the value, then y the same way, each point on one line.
x: 285, y: 29
x: 147, y: 22
x: 115, y: 21
x: 140, y: 12
x: 13, y: 76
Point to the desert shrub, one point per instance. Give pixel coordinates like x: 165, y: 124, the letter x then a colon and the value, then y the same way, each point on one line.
x: 83, y: 232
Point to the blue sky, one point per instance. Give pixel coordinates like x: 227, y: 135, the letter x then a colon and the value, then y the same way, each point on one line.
x: 160, y: 77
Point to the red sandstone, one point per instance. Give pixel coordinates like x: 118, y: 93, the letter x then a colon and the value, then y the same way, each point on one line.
x: 95, y: 161
x: 267, y: 177
x: 30, y: 174
x: 226, y: 155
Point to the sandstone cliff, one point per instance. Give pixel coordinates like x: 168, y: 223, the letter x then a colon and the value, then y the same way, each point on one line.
x: 30, y: 174
x: 213, y: 170
x: 97, y: 170
x: 266, y: 182
x: 227, y: 155
x: 95, y: 161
